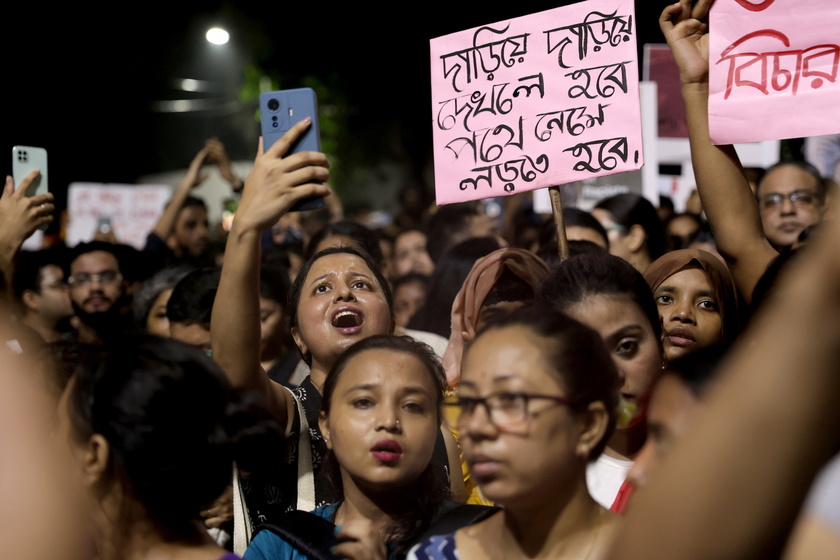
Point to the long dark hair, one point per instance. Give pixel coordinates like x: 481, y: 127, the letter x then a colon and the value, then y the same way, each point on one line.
x: 450, y: 272
x: 430, y: 491
x: 629, y: 209
x: 173, y: 423
x: 585, y: 275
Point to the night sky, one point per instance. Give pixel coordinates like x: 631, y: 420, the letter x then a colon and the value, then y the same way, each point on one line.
x: 83, y: 84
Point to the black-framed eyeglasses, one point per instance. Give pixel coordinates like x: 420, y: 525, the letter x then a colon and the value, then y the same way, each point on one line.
x: 800, y: 198
x: 504, y: 408
x: 104, y: 278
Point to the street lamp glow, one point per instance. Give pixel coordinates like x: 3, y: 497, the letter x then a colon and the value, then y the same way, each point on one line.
x: 188, y: 84
x: 217, y: 36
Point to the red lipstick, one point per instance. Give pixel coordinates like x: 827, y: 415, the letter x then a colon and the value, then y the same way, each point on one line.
x: 387, y: 451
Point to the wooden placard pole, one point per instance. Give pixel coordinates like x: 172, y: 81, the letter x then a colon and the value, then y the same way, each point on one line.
x: 559, y: 226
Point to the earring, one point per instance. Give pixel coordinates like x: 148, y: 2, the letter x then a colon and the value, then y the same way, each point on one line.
x: 582, y: 451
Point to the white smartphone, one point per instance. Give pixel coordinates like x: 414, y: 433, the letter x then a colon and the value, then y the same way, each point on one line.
x: 24, y: 160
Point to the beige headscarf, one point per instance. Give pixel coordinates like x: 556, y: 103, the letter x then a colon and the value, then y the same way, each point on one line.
x: 467, y: 305
x: 719, y: 277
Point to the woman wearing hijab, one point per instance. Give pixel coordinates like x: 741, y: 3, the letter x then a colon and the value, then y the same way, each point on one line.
x: 502, y: 281
x: 697, y: 301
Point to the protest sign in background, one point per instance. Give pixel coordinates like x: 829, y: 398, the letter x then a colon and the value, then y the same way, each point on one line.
x: 536, y: 101
x: 133, y: 210
x: 773, y: 69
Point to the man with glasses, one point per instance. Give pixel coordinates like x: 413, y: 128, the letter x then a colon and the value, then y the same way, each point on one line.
x: 97, y: 292
x: 791, y: 198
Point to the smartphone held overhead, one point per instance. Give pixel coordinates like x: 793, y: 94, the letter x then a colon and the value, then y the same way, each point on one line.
x: 26, y: 159
x: 279, y: 111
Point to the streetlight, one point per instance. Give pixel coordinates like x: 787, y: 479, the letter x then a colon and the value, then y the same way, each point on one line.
x: 217, y: 36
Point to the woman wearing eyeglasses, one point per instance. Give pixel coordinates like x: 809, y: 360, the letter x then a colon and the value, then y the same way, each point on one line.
x: 536, y: 403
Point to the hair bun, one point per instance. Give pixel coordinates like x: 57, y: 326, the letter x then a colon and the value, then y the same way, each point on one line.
x: 255, y: 438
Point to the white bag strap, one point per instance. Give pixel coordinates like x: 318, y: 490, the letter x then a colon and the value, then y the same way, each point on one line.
x: 306, y: 477
x: 242, y: 529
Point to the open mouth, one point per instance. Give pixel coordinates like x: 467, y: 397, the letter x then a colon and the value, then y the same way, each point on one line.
x: 347, y: 319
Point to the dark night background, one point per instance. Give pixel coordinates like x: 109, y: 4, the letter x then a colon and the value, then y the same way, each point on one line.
x: 83, y: 82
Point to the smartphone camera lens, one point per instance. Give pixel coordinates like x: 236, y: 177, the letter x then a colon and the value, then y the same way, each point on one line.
x: 273, y: 104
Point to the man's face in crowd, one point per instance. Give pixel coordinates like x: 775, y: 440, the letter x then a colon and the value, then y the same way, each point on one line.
x: 192, y: 230
x: 95, y: 282
x: 53, y: 299
x: 789, y: 200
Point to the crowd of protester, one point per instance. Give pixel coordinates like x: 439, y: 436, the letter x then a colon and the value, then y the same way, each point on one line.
x: 442, y: 387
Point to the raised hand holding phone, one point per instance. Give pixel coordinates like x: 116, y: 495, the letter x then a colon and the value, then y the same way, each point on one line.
x: 279, y: 179
x: 21, y: 215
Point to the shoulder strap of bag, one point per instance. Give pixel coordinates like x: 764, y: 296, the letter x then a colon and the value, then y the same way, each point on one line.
x: 306, y: 477
x: 243, y: 531
x: 311, y: 535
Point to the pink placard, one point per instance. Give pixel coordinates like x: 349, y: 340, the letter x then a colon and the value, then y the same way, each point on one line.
x: 773, y: 69
x: 536, y: 101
